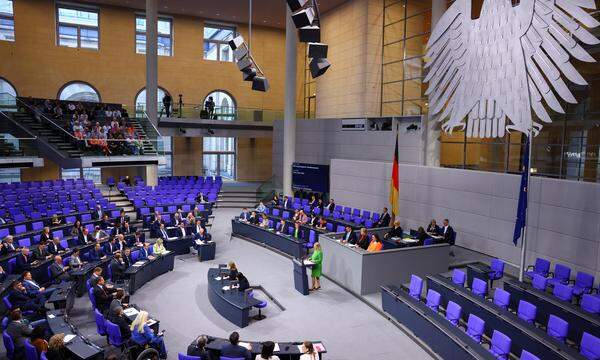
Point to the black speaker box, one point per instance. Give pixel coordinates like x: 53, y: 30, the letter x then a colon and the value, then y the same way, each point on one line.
x: 249, y: 73
x: 260, y: 83
x: 318, y: 67
x: 296, y: 5
x: 309, y: 34
x: 236, y: 42
x: 244, y: 63
x: 240, y: 52
x: 317, y: 50
x: 303, y: 17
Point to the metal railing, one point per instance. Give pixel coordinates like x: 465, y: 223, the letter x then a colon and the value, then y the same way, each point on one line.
x: 255, y: 115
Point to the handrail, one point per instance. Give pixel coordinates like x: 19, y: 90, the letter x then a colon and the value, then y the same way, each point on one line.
x: 35, y: 112
x: 34, y: 137
x: 151, y: 123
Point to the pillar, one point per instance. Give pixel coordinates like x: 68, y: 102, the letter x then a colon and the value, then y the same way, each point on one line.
x: 289, y: 116
x: 431, y: 133
x: 151, y: 175
x: 151, y: 60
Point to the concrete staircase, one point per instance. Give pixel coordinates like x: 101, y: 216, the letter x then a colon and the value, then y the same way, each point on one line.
x: 238, y: 195
x: 114, y: 196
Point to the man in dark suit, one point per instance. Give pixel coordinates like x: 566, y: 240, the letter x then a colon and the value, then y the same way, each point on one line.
x: 280, y: 227
x: 197, y: 227
x: 8, y: 246
x: 448, y: 232
x: 18, y: 297
x: 40, y: 252
x: 85, y: 237
x: 118, y: 318
x: 54, y: 247
x: 384, y: 219
x: 23, y: 262
x: 126, y: 229
x: 144, y: 252
x: 105, y: 223
x: 98, y: 213
x: 121, y: 243
x: 253, y: 219
x: 233, y: 350
x: 287, y: 204
x: 331, y: 205
x: 96, y: 253
x: 155, y: 227
x: 139, y: 238
x: 103, y: 295
x: 117, y: 267
x: 127, y: 258
x: 96, y: 274
x: 245, y: 215
x: 45, y: 236
x: 111, y: 246
x: 182, y: 231
x: 122, y: 218
x: 162, y: 233
x: 58, y: 271
x: 349, y: 236
x: 202, y: 235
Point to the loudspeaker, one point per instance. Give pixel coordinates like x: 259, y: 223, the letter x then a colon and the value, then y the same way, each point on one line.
x: 309, y: 34
x: 240, y: 52
x: 244, y: 63
x: 236, y: 42
x: 260, y: 83
x: 249, y: 73
x: 318, y: 67
x: 296, y: 5
x: 303, y: 17
x: 317, y: 50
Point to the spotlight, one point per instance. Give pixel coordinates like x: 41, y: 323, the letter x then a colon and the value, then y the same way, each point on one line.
x: 304, y: 17
x: 318, y: 67
x: 260, y: 83
x: 317, y: 50
x: 296, y: 5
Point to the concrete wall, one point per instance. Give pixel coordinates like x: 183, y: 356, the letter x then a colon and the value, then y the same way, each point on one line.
x: 50, y: 171
x: 117, y: 172
x: 187, y: 156
x: 254, y: 159
x: 320, y: 140
x: 564, y: 216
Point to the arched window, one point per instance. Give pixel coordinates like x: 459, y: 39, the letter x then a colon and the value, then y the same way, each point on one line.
x: 224, y: 105
x: 140, y: 102
x: 79, y: 91
x: 7, y: 93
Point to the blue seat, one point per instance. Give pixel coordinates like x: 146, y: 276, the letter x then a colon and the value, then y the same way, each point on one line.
x: 590, y: 304
x: 590, y: 346
x: 429, y: 241
x: 92, y: 297
x: 526, y: 355
x: 12, y: 264
x: 114, y: 334
x: 30, y: 351
x: 563, y: 292
x: 415, y: 287
x: 560, y: 275
x: 475, y: 327
x: 260, y: 306
x: 100, y: 323
x: 459, y: 277
x: 539, y: 282
x: 9, y: 345
x: 526, y: 311
x: 501, y: 298
x: 181, y: 356
x: 541, y: 267
x: 433, y: 299
x: 496, y: 272
x: 43, y: 356
x: 453, y: 312
x: 500, y: 345
x: 479, y: 287
x: 584, y: 283
x: 339, y: 228
x: 557, y: 328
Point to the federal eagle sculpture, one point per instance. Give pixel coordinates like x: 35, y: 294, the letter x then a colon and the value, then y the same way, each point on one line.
x: 496, y: 69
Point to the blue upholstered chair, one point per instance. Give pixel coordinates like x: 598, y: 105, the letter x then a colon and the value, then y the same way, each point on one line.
x: 501, y: 298
x: 475, y: 327
x: 526, y: 311
x: 459, y: 277
x: 500, y: 345
x: 453, y: 312
x: 557, y: 328
x: 415, y: 287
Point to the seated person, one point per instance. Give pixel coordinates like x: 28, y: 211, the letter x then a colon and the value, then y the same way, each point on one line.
x: 85, y: 237
x: 121, y: 243
x: 75, y: 261
x: 54, y: 247
x: 19, y: 330
x: 127, y: 258
x: 58, y: 271
x: 198, y: 348
x: 103, y: 295
x: 99, y: 234
x: 448, y: 232
x: 117, y: 302
x: 126, y: 229
x: 162, y: 232
x: 19, y: 298
x: 159, y: 248
x: 96, y: 254
x: 34, y: 289
x: 182, y: 231
x: 141, y: 334
x: 38, y: 339
x: 253, y: 219
x: 139, y: 239
x: 24, y: 261
x: 233, y: 271
x: 313, y: 220
x: 264, y: 222
x: 243, y: 283
x: 76, y: 229
x: 190, y: 219
x: 40, y: 253
x: 96, y: 274
x: 395, y: 231
x: 45, y: 236
x: 432, y: 228
x: 117, y: 267
x: 297, y: 232
x: 3, y: 274
x: 363, y: 239
x: 421, y: 235
x: 376, y: 244
x: 244, y: 216
x: 111, y: 246
x: 322, y: 225
x: 202, y: 235
x: 118, y: 318
x: 266, y: 353
x: 234, y: 350
x: 8, y: 246
x: 106, y: 224
x: 280, y: 228
x: 349, y: 235
x: 55, y: 220
x: 261, y: 207
x: 144, y: 253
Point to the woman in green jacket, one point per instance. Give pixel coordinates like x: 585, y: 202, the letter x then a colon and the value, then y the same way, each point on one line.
x: 317, y: 258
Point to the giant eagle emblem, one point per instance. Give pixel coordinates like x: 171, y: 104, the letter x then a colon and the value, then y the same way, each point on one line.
x: 511, y: 60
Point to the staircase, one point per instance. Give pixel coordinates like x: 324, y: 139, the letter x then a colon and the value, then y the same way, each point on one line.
x: 238, y: 195
x: 148, y: 147
x: 114, y: 196
x: 8, y: 149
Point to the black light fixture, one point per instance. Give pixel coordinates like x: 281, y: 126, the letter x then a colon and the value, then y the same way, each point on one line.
x: 306, y: 17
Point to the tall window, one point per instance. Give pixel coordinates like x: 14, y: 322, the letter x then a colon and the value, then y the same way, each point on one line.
x: 7, y: 93
x: 93, y: 173
x: 10, y: 175
x: 7, y: 21
x: 165, y: 36
x: 140, y: 102
x: 216, y: 42
x: 219, y: 157
x: 78, y: 27
x: 224, y: 106
x: 79, y: 91
x: 165, y: 147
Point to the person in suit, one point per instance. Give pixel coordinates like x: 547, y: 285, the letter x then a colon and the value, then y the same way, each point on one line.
x: 178, y: 219
x: 54, y: 247
x: 197, y: 228
x: 198, y: 348
x: 106, y: 224
x: 245, y: 215
x: 141, y: 334
x: 421, y: 236
x: 320, y: 206
x: 121, y: 244
x: 162, y: 232
x: 40, y: 253
x: 3, y: 274
x: 287, y: 204
x: 117, y: 302
x: 97, y: 253
x: 98, y: 212
x: 126, y: 229
x: 8, y: 246
x: 349, y: 236
x: 58, y: 271
x: 275, y: 200
x: 96, y: 274
x: 280, y: 227
x: 75, y: 262
x: 395, y: 232
x: 264, y: 221
x: 127, y: 258
x: 233, y: 349
x: 144, y: 252
x: 18, y: 297
x: 99, y: 234
x: 331, y: 205
x: 139, y: 238
x: 45, y: 236
x: 200, y: 198
x: 155, y: 227
x: 376, y: 244
x: 448, y: 232
x: 202, y: 235
x: 117, y: 267
x: 433, y: 228
x: 118, y: 318
x: 363, y: 239
x: 85, y: 237
x: 313, y: 220
x: 312, y: 202
x: 23, y: 261
x: 111, y: 246
x: 253, y: 218
x: 76, y: 229
x: 103, y: 295
x: 384, y: 219
x: 122, y: 219
x: 182, y: 231
x: 19, y: 330
x: 261, y: 207
x: 34, y: 289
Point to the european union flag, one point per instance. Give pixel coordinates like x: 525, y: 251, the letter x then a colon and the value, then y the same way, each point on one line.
x: 522, y: 208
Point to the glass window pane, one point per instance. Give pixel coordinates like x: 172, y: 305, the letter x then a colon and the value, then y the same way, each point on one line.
x: 216, y: 33
x: 7, y: 29
x: 164, y: 27
x: 6, y: 7
x: 418, y: 24
x: 226, y: 53
x: 10, y: 175
x: 218, y: 144
x: 227, y: 166
x: 164, y: 46
x: 140, y: 44
x: 79, y: 92
x: 415, y: 46
x: 452, y: 155
x: 6, y: 88
x: 210, y: 51
x: 140, y: 24
x: 140, y: 101
x: 89, y: 39
x: 78, y: 17
x: 222, y: 108
x: 67, y: 36
x: 167, y: 168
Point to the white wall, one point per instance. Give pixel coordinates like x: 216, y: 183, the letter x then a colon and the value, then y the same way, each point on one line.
x: 564, y: 216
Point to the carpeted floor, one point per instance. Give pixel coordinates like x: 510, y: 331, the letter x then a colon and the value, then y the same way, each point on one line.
x: 349, y: 328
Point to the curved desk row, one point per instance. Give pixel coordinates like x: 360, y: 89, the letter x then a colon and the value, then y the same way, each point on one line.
x: 283, y: 243
x: 547, y: 304
x: 285, y: 350
x: 143, y: 271
x: 329, y: 219
x: 79, y: 347
x: 524, y: 336
x: 232, y: 304
x: 439, y: 334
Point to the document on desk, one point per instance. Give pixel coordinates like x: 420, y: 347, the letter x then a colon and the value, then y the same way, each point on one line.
x: 245, y: 344
x: 173, y: 238
x: 68, y: 338
x: 308, y: 262
x: 226, y: 288
x: 130, y: 311
x: 151, y: 322
x: 199, y: 242
x: 218, y: 278
x: 276, y: 349
x: 138, y: 263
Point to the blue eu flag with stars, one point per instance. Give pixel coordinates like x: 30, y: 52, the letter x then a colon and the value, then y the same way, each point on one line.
x: 522, y: 208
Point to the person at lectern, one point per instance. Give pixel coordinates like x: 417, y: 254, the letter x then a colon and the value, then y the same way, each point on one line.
x: 317, y: 258
x: 233, y: 271
x: 243, y: 282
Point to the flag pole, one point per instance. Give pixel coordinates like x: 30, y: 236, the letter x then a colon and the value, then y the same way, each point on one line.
x: 524, y: 231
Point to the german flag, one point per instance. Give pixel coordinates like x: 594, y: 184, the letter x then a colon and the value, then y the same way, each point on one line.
x: 395, y: 183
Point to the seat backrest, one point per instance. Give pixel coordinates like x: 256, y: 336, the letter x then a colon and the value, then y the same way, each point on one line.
x: 501, y: 298
x: 590, y: 346
x: 339, y: 228
x: 92, y: 297
x: 500, y: 344
x: 526, y: 355
x: 433, y: 299
x: 30, y: 351
x: 563, y: 292
x: 475, y: 327
x: 584, y: 280
x: 7, y: 302
x: 181, y: 356
x: 497, y: 266
x: 453, y: 312
x: 415, y: 287
x: 557, y: 328
x: 542, y: 267
x: 229, y: 358
x: 479, y: 287
x: 562, y: 273
x: 114, y: 334
x: 459, y: 277
x: 526, y: 311
x: 539, y: 282
x: 9, y: 345
x: 590, y: 303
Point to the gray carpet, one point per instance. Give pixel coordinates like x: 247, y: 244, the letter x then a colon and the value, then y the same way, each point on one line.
x: 349, y: 328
